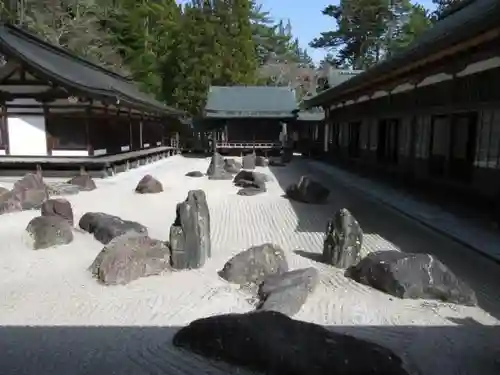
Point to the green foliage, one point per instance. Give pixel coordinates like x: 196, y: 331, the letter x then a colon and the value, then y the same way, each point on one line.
x: 173, y: 52
x: 370, y: 30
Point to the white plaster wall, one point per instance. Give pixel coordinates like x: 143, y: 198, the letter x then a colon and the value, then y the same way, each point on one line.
x: 27, y: 135
x: 70, y: 153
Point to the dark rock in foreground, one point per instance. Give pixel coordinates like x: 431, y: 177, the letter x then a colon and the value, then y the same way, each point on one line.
x: 84, y: 182
x: 194, y: 174
x: 48, y: 231
x: 308, y: 191
x: 274, y: 344
x: 190, y: 233
x: 149, y: 185
x: 58, y: 207
x: 254, y: 265
x: 343, y: 240
x: 129, y: 257
x: 105, y: 227
x: 286, y: 293
x: 409, y: 275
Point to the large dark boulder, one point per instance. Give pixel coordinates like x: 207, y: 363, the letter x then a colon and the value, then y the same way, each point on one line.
x: 250, y: 179
x: 308, y: 191
x: 194, y: 174
x: 48, y: 231
x: 84, y: 182
x: 231, y: 166
x: 190, y: 242
x: 149, y: 185
x: 276, y: 161
x: 105, y: 227
x: 409, y: 275
x: 129, y: 257
x: 255, y: 264
x: 343, y: 240
x: 286, y: 293
x: 274, y: 344
x: 248, y: 161
x: 58, y: 207
x: 28, y: 193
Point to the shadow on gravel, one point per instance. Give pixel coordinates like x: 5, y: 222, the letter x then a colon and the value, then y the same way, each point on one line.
x: 382, y: 226
x: 127, y: 350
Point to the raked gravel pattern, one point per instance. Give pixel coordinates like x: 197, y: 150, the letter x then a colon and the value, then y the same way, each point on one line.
x: 56, y: 319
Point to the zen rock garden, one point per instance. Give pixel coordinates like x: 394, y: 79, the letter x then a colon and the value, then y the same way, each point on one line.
x: 266, y: 339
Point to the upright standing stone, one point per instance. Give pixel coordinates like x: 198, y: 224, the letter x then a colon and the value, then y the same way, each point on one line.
x: 248, y: 161
x: 190, y: 243
x: 343, y: 240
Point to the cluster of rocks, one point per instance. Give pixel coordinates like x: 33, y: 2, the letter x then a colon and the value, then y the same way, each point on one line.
x: 250, y: 182
x: 264, y: 270
x: 308, y: 191
x: 400, y: 274
x: 130, y: 253
x: 31, y: 191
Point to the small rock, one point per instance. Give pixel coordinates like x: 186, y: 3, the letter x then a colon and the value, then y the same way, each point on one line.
x: 84, y: 182
x: 271, y: 343
x: 286, y: 293
x: 255, y: 264
x: 261, y: 161
x: 194, y: 174
x: 343, y: 240
x: 48, y: 231
x: 249, y: 179
x: 231, y: 166
x: 308, y: 191
x: 190, y: 244
x: 248, y: 161
x: 250, y: 191
x: 58, y: 189
x: 58, y: 207
x: 275, y: 161
x: 129, y: 257
x: 410, y: 275
x: 105, y: 227
x: 149, y: 185
x: 287, y: 156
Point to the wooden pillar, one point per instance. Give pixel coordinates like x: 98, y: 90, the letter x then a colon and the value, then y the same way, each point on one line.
x: 87, y: 115
x: 140, y: 131
x: 46, y: 115
x: 130, y: 134
x: 4, y: 128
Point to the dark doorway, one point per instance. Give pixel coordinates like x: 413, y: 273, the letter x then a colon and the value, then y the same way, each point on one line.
x: 388, y: 141
x: 439, y: 145
x: 354, y: 138
x: 463, y: 146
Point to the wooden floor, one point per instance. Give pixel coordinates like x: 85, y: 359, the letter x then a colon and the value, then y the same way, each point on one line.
x: 104, y: 159
x: 97, y: 166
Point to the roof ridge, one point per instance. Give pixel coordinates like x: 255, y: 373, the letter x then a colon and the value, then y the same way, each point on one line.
x: 63, y: 51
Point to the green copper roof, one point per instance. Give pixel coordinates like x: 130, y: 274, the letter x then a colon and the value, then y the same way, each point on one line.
x: 250, y: 101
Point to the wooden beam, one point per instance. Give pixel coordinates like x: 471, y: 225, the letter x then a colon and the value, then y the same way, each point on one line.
x: 8, y: 70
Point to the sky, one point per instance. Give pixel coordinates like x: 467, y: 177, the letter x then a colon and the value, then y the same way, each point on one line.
x: 306, y: 19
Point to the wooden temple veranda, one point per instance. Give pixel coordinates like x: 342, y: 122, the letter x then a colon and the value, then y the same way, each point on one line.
x: 430, y: 114
x: 61, y: 112
x: 245, y: 118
